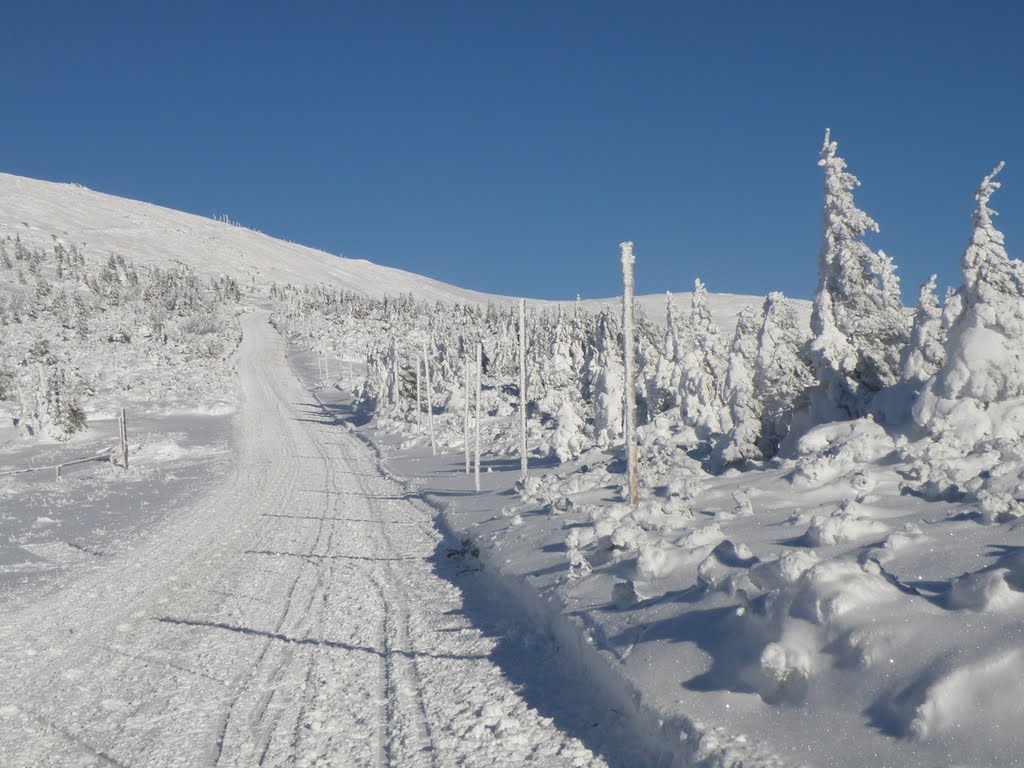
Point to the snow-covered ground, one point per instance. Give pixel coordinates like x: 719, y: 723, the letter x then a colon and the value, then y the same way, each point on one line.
x: 294, y: 616
x: 289, y: 575
x: 812, y: 613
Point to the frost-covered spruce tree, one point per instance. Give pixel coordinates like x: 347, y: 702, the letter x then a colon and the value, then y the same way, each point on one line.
x: 702, y: 368
x: 743, y: 406
x: 925, y: 352
x: 663, y: 380
x: 985, y: 347
x: 557, y: 377
x: 782, y: 377
x: 604, y: 371
x: 858, y: 323
x: 48, y: 402
x: 567, y: 439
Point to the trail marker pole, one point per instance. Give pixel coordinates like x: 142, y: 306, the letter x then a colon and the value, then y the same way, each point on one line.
x: 419, y: 407
x: 629, y: 393
x: 479, y: 368
x: 522, y: 390
x: 394, y: 374
x: 465, y: 416
x: 430, y: 402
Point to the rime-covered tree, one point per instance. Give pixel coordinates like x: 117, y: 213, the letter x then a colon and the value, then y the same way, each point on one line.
x: 662, y: 373
x: 48, y: 401
x: 742, y: 418
x: 781, y: 375
x: 924, y: 353
x: 702, y: 368
x: 857, y: 321
x: 567, y: 438
x: 604, y: 372
x: 985, y: 345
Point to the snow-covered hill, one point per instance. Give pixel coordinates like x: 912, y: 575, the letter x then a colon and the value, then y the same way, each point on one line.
x: 103, y: 224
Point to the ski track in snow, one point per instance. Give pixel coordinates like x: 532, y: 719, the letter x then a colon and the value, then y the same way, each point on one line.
x: 292, y: 617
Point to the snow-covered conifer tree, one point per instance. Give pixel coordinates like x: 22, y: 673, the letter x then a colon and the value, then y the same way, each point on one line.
x: 702, y: 368
x: 604, y: 370
x: 566, y: 439
x: 781, y: 375
x: 48, y: 402
x: 858, y: 323
x: 742, y: 403
x: 985, y: 346
x: 663, y: 382
x: 924, y: 353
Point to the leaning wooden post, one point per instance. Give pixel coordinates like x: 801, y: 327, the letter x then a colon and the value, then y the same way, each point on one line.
x: 522, y: 390
x: 123, y: 429
x: 465, y: 416
x: 629, y: 389
x: 479, y: 369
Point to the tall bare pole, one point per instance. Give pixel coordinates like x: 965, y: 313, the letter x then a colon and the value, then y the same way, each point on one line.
x: 430, y: 403
x: 522, y: 389
x: 629, y: 390
x: 419, y: 407
x: 465, y: 415
x: 394, y: 373
x: 479, y: 386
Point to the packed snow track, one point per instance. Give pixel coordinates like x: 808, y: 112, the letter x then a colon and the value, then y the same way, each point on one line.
x: 293, y: 617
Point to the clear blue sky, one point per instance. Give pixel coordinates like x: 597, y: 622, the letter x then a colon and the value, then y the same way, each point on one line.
x: 510, y: 146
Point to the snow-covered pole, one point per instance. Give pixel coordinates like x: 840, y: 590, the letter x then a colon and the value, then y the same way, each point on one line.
x: 430, y: 404
x: 396, y: 390
x: 629, y: 393
x: 465, y: 416
x: 419, y: 406
x: 522, y: 389
x: 476, y: 449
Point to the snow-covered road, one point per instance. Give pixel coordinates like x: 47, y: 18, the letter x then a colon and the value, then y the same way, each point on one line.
x: 293, y: 617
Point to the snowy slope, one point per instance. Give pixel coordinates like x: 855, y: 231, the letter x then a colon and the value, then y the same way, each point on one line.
x: 150, y: 234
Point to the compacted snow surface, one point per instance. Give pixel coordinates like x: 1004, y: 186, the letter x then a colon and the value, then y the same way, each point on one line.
x: 292, y: 617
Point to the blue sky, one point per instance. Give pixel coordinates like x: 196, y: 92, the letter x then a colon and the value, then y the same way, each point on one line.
x: 510, y: 146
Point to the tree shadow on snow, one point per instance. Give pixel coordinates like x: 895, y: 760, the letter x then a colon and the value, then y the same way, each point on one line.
x: 335, y: 414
